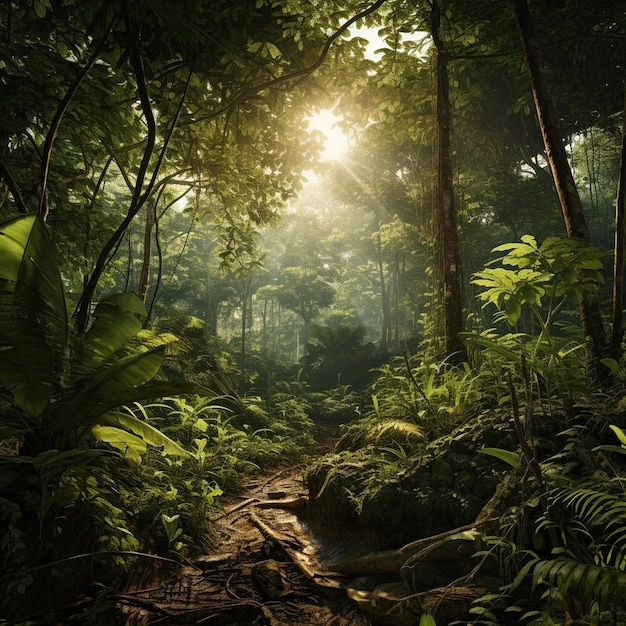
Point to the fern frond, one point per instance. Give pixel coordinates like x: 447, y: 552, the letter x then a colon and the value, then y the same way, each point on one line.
x: 593, y: 507
x: 589, y: 582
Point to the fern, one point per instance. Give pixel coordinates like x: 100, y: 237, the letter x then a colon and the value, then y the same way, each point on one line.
x: 382, y: 434
x: 592, y: 524
x: 592, y: 507
x: 590, y: 583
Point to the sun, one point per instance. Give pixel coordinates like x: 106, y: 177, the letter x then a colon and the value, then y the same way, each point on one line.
x: 335, y: 143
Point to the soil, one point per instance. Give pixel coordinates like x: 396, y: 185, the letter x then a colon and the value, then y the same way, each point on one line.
x: 267, y: 567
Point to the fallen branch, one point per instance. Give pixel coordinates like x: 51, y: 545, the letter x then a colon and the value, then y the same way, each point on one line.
x: 290, y: 504
x: 388, y: 561
x: 325, y: 581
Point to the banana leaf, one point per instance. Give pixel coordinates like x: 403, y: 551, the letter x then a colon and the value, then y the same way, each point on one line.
x: 103, y: 392
x: 27, y: 369
x: 33, y: 314
x: 30, y: 280
x: 117, y: 320
x: 143, y: 430
x: 131, y: 446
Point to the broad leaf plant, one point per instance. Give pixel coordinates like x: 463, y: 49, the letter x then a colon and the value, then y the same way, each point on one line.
x: 62, y: 395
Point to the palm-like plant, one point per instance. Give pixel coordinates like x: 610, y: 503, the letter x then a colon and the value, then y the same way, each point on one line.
x: 60, y: 393
x: 337, y: 356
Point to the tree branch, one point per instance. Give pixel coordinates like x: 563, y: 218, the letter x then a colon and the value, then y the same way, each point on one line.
x: 138, y: 198
x: 306, y: 71
x: 58, y: 118
x: 6, y: 175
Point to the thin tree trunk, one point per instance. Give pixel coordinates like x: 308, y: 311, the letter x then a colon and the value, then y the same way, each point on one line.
x: 138, y: 198
x: 58, y: 118
x: 244, y: 320
x: 618, y: 257
x: 159, y: 272
x: 396, y: 304
x: 384, y: 341
x: 447, y: 235
x: 571, y: 206
x: 142, y: 289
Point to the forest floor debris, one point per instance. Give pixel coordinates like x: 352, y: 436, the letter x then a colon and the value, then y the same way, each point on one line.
x: 262, y: 571
x: 271, y: 567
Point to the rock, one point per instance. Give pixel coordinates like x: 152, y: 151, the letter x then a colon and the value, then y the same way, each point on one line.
x: 441, y: 473
x: 442, y: 485
x: 270, y: 580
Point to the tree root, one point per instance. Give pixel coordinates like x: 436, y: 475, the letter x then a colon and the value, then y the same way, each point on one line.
x: 390, y: 561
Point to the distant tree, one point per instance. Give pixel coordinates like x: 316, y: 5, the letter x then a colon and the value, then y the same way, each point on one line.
x: 304, y: 293
x: 338, y: 356
x: 620, y: 235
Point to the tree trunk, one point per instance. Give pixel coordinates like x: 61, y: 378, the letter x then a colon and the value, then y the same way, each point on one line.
x: 396, y: 304
x: 384, y: 337
x: 245, y: 302
x: 142, y: 288
x: 447, y: 235
x: 571, y: 206
x: 618, y: 256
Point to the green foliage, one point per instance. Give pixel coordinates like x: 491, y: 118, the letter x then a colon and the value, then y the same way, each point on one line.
x: 546, y: 278
x: 336, y: 356
x: 426, y: 619
x: 231, y: 435
x: 590, y: 517
x: 621, y: 436
x: 304, y: 293
x: 432, y: 395
x: 508, y: 457
x: 557, y: 270
x: 71, y: 402
x: 395, y: 436
x: 81, y: 379
x: 339, y: 405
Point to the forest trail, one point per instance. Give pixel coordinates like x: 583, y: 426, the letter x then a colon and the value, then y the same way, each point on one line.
x: 264, y: 568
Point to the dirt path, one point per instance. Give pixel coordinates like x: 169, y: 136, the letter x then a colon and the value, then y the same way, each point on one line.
x: 263, y: 571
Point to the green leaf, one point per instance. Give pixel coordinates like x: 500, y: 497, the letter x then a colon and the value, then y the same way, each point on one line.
x: 117, y: 320
x: 33, y: 316
x: 621, y: 435
x: 491, y: 345
x: 27, y: 365
x: 427, y: 619
x: 110, y: 388
x: 30, y: 278
x: 513, y: 311
x: 128, y: 374
x: 512, y: 458
x: 131, y: 446
x: 146, y: 431
x: 40, y: 8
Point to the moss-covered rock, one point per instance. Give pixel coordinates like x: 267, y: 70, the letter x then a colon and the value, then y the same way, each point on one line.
x: 401, y: 495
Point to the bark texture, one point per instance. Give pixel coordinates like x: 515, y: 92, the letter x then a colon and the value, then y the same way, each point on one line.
x: 571, y: 206
x: 446, y: 209
x: 618, y: 256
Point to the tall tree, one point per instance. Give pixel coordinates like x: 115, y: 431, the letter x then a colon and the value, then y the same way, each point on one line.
x: 447, y: 235
x: 571, y: 206
x: 149, y: 85
x: 618, y: 254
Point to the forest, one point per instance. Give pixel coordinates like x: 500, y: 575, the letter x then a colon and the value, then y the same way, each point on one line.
x: 312, y: 312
